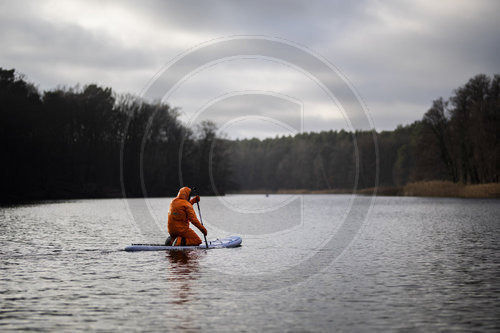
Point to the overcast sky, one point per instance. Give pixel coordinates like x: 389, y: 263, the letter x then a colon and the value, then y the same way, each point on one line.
x: 397, y: 56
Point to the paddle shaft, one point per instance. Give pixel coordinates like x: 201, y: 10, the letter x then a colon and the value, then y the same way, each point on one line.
x: 201, y: 220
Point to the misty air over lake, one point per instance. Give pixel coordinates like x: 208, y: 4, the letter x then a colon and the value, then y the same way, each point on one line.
x: 301, y: 166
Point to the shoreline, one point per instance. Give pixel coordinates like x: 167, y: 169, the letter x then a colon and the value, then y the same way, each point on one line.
x: 431, y: 189
x: 434, y: 188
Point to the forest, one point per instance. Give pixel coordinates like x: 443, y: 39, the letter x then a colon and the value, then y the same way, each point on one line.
x: 89, y: 142
x: 457, y: 140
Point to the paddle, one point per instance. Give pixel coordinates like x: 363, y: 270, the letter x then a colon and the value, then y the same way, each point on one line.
x: 201, y: 220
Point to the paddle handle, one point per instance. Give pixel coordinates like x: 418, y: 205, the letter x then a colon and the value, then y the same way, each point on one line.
x: 201, y: 220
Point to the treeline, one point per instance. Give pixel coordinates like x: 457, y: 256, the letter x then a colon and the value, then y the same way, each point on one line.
x: 461, y: 136
x: 90, y: 142
x: 67, y: 143
x: 457, y: 140
x: 325, y: 161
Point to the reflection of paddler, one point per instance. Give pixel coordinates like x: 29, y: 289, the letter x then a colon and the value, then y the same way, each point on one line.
x: 180, y: 213
x: 181, y: 273
x: 179, y: 257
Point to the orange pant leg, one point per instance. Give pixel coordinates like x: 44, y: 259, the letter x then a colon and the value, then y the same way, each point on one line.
x: 191, y: 237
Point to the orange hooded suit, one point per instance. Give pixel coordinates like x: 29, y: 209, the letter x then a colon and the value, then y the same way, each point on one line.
x: 180, y: 213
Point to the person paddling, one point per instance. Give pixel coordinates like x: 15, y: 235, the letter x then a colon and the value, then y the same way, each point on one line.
x: 180, y: 213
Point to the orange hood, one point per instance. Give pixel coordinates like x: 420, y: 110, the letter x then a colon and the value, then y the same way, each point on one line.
x: 184, y: 193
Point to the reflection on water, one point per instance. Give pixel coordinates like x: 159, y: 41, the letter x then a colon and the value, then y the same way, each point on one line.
x: 182, y: 271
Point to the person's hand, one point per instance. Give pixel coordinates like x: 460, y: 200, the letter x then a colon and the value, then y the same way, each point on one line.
x: 195, y: 199
x: 203, y: 230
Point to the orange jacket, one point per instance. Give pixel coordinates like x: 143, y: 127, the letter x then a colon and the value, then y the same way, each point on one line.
x: 181, y: 212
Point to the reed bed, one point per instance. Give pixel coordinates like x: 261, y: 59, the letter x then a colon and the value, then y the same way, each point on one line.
x: 434, y: 188
x: 437, y: 188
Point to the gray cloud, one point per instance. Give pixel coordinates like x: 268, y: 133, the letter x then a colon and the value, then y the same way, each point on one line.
x: 399, y: 55
x: 60, y: 53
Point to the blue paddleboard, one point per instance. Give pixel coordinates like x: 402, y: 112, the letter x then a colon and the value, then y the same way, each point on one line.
x: 232, y: 241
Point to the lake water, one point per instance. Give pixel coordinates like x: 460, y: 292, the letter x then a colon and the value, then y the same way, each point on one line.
x: 308, y: 263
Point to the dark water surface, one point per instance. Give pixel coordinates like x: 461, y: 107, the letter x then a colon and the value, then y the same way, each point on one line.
x: 417, y: 264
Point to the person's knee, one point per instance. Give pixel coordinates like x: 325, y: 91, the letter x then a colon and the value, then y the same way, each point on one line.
x: 193, y: 241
